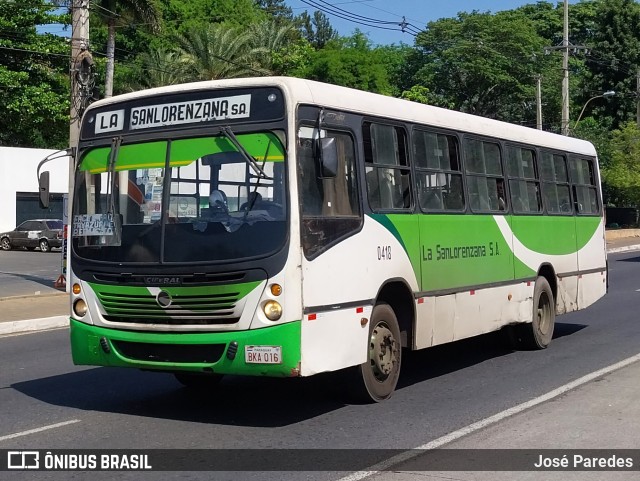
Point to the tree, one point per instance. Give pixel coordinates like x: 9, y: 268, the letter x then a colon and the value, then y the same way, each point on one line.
x: 317, y: 29
x: 622, y: 174
x: 351, y: 62
x: 218, y: 51
x: 274, y: 40
x: 278, y: 10
x: 615, y: 57
x: 121, y: 12
x: 34, y: 78
x: 481, y: 64
x: 156, y: 68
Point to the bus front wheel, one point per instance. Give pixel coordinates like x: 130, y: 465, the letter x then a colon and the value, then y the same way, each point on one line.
x: 378, y: 375
x: 538, y: 333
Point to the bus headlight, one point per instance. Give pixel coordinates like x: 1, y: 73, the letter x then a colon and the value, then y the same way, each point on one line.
x: 80, y: 308
x: 273, y: 310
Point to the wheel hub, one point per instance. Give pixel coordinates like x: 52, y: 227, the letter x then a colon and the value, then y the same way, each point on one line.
x: 382, y: 351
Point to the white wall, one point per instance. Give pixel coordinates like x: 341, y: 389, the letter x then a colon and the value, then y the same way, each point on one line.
x: 18, y: 174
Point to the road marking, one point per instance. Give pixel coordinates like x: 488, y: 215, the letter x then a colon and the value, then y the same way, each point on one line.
x: 37, y: 430
x: 448, y: 438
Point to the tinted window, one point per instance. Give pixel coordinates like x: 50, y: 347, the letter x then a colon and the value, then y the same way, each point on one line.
x: 386, y: 167
x: 583, y: 178
x: 330, y: 206
x: 439, y: 179
x: 523, y: 184
x: 555, y: 184
x: 54, y: 224
x: 484, y: 176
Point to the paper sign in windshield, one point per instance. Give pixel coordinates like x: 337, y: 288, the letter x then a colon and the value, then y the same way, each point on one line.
x: 93, y: 225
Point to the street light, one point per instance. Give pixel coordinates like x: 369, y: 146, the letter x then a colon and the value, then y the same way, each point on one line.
x: 607, y: 94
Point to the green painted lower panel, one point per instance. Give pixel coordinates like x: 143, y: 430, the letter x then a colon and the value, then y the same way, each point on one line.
x: 86, y: 349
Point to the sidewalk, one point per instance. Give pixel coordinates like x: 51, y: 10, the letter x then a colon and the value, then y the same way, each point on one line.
x: 601, y: 414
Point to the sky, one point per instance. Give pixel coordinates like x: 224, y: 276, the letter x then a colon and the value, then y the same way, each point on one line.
x: 416, y: 12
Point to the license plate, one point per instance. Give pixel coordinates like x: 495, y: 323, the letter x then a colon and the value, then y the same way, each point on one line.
x: 263, y: 354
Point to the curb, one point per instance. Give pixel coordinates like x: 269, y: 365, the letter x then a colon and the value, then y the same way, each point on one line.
x: 30, y: 296
x: 30, y: 325
x: 615, y: 250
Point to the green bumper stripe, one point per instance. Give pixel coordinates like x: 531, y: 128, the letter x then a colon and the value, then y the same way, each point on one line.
x: 86, y: 349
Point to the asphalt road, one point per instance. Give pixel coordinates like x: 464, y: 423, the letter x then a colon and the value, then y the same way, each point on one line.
x: 23, y: 273
x: 440, y: 390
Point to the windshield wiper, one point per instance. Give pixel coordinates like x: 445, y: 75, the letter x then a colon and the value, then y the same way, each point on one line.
x: 111, y: 174
x: 228, y: 133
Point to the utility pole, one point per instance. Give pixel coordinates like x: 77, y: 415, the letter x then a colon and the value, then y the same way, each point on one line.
x: 81, y: 76
x: 638, y: 97
x: 564, y: 123
x: 566, y: 47
x: 539, y: 102
x: 79, y: 47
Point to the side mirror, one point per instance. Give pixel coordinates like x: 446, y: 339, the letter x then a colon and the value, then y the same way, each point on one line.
x: 43, y: 188
x: 328, y: 157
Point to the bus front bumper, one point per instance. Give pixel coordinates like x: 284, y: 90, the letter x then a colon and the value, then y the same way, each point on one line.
x: 272, y: 351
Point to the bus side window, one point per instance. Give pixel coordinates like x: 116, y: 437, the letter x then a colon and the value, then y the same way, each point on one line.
x: 484, y: 176
x: 439, y: 179
x: 386, y: 166
x: 524, y: 184
x: 555, y: 183
x: 583, y: 180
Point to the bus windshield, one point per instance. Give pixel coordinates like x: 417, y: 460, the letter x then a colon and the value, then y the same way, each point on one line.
x: 213, y: 198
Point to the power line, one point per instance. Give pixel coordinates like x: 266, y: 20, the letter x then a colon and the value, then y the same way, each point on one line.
x: 330, y: 9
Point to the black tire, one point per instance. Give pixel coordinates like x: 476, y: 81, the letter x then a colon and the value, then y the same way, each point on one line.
x: 377, y: 377
x: 200, y: 382
x: 5, y: 244
x: 44, y: 245
x: 538, y: 333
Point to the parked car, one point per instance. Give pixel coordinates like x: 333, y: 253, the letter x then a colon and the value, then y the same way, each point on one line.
x: 42, y: 233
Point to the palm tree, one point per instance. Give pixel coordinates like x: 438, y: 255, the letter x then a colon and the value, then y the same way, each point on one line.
x: 275, y: 39
x: 217, y: 51
x: 117, y: 12
x: 159, y: 67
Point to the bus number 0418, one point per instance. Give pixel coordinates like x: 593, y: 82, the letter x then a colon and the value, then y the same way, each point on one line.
x: 384, y: 253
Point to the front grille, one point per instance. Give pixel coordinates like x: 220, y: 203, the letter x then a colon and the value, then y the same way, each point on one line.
x: 209, y: 309
x: 179, y: 353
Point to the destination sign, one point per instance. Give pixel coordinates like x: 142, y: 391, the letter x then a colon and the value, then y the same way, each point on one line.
x: 176, y: 113
x: 184, y: 110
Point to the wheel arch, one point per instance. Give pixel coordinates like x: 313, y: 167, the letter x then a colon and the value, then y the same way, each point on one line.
x: 547, y: 271
x: 397, y: 293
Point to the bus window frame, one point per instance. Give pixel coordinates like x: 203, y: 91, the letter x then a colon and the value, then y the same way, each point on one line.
x: 343, y: 128
x: 500, y: 143
x: 564, y: 155
x: 408, y: 168
x: 593, y: 163
x: 537, y: 178
x: 457, y: 136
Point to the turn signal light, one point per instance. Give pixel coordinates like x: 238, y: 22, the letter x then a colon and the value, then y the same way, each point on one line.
x: 276, y: 289
x: 76, y: 289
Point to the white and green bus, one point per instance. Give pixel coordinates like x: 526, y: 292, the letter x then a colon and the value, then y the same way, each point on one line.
x: 284, y: 227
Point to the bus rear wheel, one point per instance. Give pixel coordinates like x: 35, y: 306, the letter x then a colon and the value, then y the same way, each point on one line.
x: 196, y: 381
x: 538, y: 333
x: 378, y: 375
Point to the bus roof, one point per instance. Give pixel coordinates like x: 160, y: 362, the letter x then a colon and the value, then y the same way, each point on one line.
x: 367, y: 103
